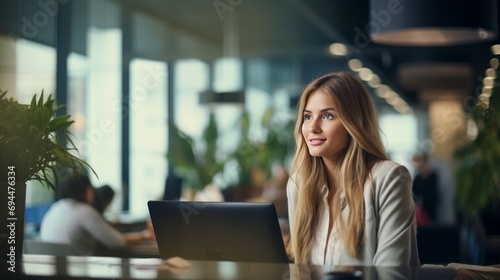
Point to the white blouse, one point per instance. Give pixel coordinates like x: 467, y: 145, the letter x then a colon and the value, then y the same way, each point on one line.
x: 390, y: 229
x: 76, y: 223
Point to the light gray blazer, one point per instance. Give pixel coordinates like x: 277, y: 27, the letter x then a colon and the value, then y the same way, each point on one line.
x: 390, y: 229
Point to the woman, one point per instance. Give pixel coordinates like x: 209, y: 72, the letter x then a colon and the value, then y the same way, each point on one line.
x: 103, y: 196
x: 73, y: 220
x: 348, y: 204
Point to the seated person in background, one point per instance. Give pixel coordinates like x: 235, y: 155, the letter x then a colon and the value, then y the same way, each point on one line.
x: 73, y: 220
x: 102, y: 198
x: 425, y: 188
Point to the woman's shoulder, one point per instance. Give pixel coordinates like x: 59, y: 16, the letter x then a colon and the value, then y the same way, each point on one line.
x: 390, y: 179
x: 76, y: 207
x: 388, y: 172
x: 385, y: 167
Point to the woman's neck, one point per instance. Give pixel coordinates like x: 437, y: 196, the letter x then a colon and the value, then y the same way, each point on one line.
x: 331, y: 167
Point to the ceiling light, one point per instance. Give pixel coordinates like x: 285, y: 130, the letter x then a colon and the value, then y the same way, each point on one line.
x: 432, y: 23
x: 495, y: 49
x: 494, y: 63
x: 393, y: 100
x: 355, y: 64
x: 490, y: 72
x: 374, y: 80
x: 403, y: 109
x: 487, y: 91
x: 365, y: 73
x: 383, y: 91
x: 488, y: 81
x: 338, y: 49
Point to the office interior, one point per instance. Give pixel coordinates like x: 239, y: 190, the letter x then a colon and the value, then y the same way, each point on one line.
x: 126, y: 69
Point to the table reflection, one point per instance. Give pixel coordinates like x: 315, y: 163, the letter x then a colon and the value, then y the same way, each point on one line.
x: 154, y: 268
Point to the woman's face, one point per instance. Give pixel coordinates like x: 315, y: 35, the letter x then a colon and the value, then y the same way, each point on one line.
x: 322, y: 130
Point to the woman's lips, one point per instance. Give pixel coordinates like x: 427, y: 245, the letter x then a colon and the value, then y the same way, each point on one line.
x: 316, y: 141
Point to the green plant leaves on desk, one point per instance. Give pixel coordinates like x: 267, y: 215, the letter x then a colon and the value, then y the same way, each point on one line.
x: 36, y: 141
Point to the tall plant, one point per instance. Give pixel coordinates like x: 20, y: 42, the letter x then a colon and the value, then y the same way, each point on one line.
x: 35, y: 144
x: 478, y: 173
x: 36, y: 141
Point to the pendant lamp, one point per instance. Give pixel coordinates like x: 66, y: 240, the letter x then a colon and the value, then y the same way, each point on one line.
x: 432, y: 22
x: 228, y: 87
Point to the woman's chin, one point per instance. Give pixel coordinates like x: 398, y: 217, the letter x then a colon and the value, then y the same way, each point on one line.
x: 315, y: 154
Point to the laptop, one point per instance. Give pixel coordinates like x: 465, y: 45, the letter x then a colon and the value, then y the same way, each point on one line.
x: 218, y: 231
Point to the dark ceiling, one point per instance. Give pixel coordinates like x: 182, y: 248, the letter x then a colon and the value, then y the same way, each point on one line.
x: 306, y: 29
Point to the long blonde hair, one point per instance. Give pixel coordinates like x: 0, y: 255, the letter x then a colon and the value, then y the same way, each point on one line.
x: 356, y: 111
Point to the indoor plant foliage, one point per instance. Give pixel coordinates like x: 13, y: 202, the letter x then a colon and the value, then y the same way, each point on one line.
x: 478, y: 177
x: 35, y: 145
x: 35, y: 141
x: 258, y: 153
x: 196, y: 161
x: 272, y: 146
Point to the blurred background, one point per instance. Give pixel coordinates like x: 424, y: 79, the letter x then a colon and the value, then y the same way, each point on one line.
x: 169, y: 97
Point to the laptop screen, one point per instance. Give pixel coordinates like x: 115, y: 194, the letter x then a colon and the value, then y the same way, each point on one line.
x: 218, y: 231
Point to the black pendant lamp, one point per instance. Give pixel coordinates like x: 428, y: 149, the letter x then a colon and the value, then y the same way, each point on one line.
x: 432, y: 22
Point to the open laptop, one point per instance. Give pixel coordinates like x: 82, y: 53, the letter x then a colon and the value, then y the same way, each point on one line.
x: 218, y: 231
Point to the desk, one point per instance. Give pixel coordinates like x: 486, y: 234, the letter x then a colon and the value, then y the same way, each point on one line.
x: 143, y: 249
x: 51, y: 267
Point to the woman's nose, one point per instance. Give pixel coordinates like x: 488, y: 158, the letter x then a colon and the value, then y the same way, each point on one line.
x: 315, y: 126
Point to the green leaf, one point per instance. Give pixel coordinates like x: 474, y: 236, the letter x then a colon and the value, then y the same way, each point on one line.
x: 34, y: 138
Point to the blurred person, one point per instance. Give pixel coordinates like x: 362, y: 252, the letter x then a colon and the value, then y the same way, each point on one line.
x: 425, y: 187
x: 103, y: 196
x: 73, y: 220
x: 348, y: 204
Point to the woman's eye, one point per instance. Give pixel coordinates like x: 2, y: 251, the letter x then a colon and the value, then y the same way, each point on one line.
x: 328, y: 116
x: 307, y: 117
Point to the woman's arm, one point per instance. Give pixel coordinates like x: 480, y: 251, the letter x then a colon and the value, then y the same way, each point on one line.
x: 105, y: 233
x: 100, y: 229
x: 135, y: 237
x: 396, y: 218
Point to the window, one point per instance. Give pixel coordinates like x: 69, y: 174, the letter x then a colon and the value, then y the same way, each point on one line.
x: 399, y: 136
x: 191, y: 76
x: 32, y: 72
x: 35, y: 70
x: 148, y: 133
x: 103, y: 111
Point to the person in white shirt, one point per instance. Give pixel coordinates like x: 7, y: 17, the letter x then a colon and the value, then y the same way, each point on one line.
x: 348, y: 204
x: 73, y: 220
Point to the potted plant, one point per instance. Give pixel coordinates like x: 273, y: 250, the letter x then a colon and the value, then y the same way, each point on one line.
x: 35, y: 144
x: 196, y: 162
x: 478, y: 171
x: 257, y: 155
x: 478, y: 177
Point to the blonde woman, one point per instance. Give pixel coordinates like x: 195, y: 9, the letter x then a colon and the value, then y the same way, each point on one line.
x: 348, y: 204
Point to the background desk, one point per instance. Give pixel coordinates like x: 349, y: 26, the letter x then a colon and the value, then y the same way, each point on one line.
x: 143, y: 249
x: 52, y: 267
